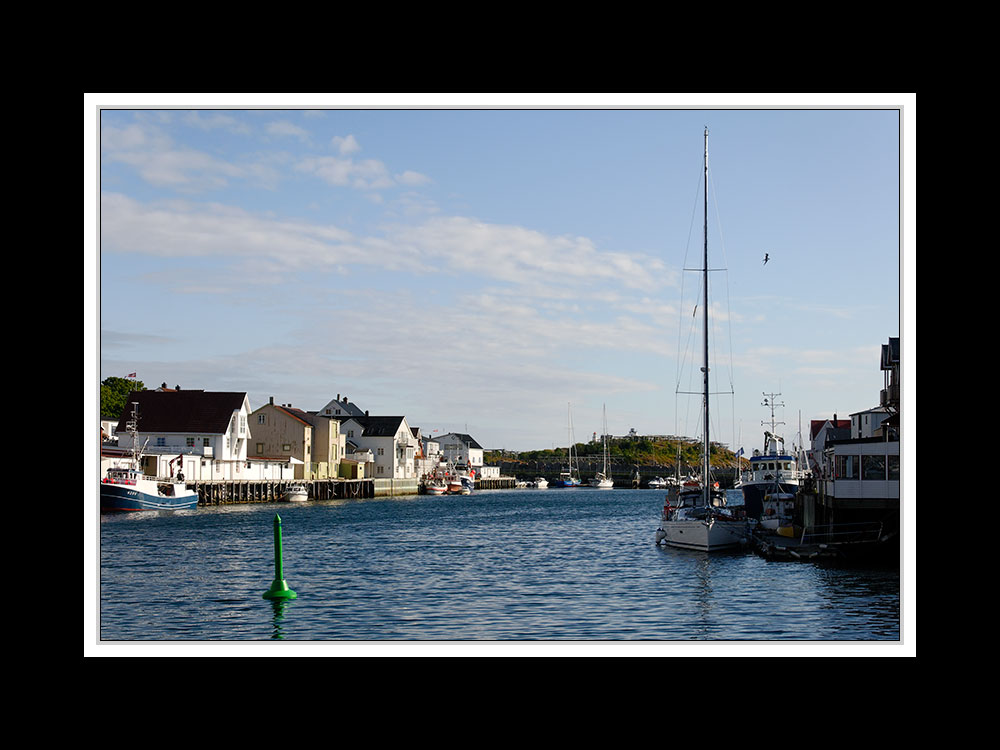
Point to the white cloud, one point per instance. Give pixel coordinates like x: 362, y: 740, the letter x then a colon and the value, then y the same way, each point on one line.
x: 180, y: 229
x: 345, y: 145
x: 285, y: 128
x: 412, y: 178
x: 369, y: 174
x: 161, y: 163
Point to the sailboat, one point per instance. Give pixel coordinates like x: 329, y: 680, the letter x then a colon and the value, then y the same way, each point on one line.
x: 566, y: 478
x: 695, y: 517
x: 602, y: 481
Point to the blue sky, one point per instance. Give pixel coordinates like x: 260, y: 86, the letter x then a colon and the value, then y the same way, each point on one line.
x: 479, y: 269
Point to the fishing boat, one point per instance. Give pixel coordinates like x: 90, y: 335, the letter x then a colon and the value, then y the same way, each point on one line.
x: 435, y: 486
x: 773, y: 470
x: 126, y: 488
x: 540, y: 483
x: 296, y: 493
x: 460, y: 481
x: 778, y: 510
x: 602, y: 481
x: 695, y: 514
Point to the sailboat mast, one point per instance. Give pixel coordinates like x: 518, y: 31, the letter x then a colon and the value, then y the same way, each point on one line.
x: 705, y: 470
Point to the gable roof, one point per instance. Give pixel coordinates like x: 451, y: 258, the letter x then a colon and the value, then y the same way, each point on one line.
x: 183, y: 411
x: 379, y: 426
x: 817, y: 425
x: 467, y: 439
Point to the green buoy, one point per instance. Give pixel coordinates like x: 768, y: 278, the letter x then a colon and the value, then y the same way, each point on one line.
x: 279, y: 588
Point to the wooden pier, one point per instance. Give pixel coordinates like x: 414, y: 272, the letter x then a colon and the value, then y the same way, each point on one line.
x: 227, y: 492
x: 231, y: 492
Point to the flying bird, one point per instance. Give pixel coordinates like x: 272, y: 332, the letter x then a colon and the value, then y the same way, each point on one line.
x: 766, y: 258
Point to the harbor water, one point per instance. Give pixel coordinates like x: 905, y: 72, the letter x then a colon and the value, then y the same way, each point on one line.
x: 503, y: 565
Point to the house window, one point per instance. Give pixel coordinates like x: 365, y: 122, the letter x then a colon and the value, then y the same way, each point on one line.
x: 260, y: 449
x: 848, y: 467
x: 286, y: 447
x: 161, y: 441
x: 873, y: 467
x: 206, y: 443
x: 892, y: 464
x: 381, y: 451
x: 190, y: 442
x: 261, y: 419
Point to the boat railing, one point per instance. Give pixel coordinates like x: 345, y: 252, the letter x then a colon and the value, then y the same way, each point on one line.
x: 868, y: 531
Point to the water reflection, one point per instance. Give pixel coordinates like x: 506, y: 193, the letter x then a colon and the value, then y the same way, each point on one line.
x: 278, y: 610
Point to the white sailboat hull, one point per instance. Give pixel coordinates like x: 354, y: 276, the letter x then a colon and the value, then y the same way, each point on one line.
x: 702, y: 535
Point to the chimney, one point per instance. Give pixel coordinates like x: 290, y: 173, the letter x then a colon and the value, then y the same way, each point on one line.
x: 271, y: 402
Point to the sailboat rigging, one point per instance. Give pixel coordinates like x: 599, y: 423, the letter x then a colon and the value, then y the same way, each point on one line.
x: 602, y: 481
x: 696, y: 517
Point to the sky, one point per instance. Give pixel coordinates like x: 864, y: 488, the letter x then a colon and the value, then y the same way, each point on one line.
x: 498, y: 266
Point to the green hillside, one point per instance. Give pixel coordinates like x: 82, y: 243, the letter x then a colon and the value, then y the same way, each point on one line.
x: 638, y: 450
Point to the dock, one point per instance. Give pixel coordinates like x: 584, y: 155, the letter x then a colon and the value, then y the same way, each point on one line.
x: 231, y: 492
x: 228, y: 492
x: 842, y: 542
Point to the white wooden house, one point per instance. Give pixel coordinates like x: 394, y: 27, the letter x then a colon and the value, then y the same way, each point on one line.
x: 389, y: 439
x: 461, y: 450
x: 202, y: 434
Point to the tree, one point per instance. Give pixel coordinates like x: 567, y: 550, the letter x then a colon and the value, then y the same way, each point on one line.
x: 114, y: 393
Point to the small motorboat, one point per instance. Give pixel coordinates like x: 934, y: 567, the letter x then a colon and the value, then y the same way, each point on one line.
x: 296, y: 493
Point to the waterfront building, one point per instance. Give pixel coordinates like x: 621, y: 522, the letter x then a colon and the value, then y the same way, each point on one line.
x: 312, y: 443
x: 282, y: 433
x: 821, y: 432
x: 390, y: 441
x: 462, y: 450
x: 431, y: 456
x: 202, y: 434
x: 338, y: 408
x: 860, y: 475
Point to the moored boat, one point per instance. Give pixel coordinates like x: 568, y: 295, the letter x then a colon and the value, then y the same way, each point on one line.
x: 689, y: 523
x: 566, y: 479
x: 695, y: 514
x: 126, y: 489
x: 296, y: 493
x: 601, y: 480
x: 539, y: 483
x: 772, y: 470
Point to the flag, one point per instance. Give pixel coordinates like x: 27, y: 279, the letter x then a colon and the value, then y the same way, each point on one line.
x: 130, y: 375
x: 739, y: 453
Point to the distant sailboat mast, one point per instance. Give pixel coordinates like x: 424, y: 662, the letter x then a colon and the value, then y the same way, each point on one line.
x: 706, y: 478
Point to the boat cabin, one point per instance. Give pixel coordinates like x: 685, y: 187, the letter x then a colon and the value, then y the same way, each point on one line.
x: 764, y: 468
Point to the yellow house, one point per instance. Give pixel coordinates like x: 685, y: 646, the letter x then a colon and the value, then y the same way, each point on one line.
x: 281, y: 433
